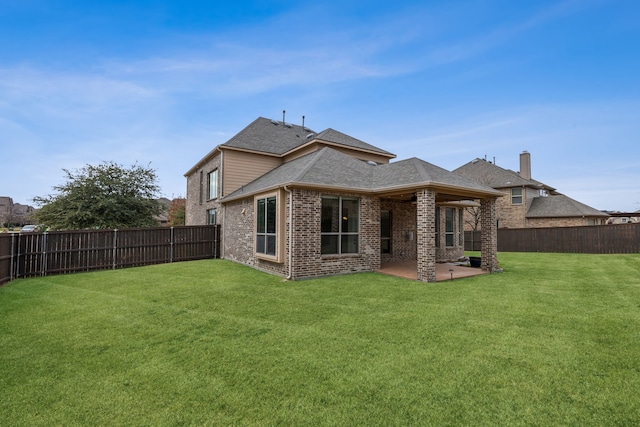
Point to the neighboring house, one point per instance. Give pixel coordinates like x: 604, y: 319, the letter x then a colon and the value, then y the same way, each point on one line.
x: 624, y: 218
x: 6, y: 210
x: 163, y: 217
x: 14, y: 213
x: 300, y: 204
x: 527, y: 203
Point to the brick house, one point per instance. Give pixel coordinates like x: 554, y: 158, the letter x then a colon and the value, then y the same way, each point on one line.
x: 302, y: 204
x: 527, y: 203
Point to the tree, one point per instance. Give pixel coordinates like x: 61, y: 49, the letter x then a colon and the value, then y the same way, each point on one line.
x: 103, y: 196
x: 177, y: 211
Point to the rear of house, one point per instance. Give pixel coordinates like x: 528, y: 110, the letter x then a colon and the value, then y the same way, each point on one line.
x: 303, y: 204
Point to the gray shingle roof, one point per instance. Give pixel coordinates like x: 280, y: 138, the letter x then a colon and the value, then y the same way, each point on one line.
x: 274, y: 137
x: 331, y: 135
x: 330, y: 168
x: 496, y: 177
x: 270, y: 136
x: 560, y: 206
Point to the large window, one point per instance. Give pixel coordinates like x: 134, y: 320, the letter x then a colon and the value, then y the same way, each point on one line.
x: 340, y: 225
x: 266, y: 211
x: 385, y: 232
x: 212, y: 216
x: 437, y: 227
x: 212, y: 182
x: 449, y: 226
x: 516, y: 196
x: 460, y: 227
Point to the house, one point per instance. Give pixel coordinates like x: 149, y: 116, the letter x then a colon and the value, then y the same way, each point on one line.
x: 12, y: 214
x: 624, y: 217
x: 527, y: 203
x: 300, y: 204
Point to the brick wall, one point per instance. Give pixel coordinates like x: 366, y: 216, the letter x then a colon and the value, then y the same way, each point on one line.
x: 307, y: 259
x: 563, y: 222
x: 426, y: 210
x: 196, y: 207
x: 239, y: 233
x: 403, y: 222
x: 489, y: 248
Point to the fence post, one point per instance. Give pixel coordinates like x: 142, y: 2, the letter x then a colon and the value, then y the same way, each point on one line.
x: 43, y: 264
x: 171, y: 237
x: 13, y: 256
x: 115, y: 246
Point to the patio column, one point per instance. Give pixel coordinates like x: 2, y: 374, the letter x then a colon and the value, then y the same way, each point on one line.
x: 489, y: 224
x: 426, y: 235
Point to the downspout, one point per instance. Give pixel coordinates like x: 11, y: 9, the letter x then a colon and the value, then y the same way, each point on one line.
x: 220, y: 219
x: 290, y: 234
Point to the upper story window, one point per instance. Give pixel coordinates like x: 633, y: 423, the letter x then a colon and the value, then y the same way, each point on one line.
x: 212, y: 185
x: 516, y: 196
x: 340, y: 225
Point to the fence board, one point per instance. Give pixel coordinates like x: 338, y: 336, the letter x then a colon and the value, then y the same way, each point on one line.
x: 597, y: 239
x: 38, y: 254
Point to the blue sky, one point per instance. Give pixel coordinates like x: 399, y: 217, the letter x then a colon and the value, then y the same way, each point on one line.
x: 164, y: 82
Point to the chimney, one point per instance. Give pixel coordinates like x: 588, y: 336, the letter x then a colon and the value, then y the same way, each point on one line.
x: 525, y: 165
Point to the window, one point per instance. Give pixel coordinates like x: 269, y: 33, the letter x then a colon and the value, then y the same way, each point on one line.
x: 385, y: 232
x: 437, y: 227
x: 266, y: 211
x: 212, y: 217
x: 516, y: 196
x: 449, y: 226
x: 340, y: 223
x: 460, y: 227
x: 200, y: 195
x: 212, y: 182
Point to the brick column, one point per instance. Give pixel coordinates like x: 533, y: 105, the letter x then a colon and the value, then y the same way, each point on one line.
x: 426, y: 235
x: 488, y: 222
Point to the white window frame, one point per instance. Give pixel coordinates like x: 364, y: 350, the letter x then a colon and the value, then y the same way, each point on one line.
x: 515, y: 196
x: 212, y: 185
x: 279, y: 227
x: 212, y: 213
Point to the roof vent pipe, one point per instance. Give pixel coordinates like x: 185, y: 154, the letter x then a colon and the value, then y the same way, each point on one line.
x: 302, y: 122
x: 283, y: 113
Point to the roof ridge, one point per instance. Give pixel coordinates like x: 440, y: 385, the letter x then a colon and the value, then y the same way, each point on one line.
x: 312, y: 161
x: 421, y: 169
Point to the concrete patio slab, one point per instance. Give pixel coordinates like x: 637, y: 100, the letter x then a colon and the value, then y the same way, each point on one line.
x: 444, y: 271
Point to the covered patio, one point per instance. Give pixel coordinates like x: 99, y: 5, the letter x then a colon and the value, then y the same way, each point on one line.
x: 444, y: 271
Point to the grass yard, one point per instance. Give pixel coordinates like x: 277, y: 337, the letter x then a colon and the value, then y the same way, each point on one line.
x: 554, y: 340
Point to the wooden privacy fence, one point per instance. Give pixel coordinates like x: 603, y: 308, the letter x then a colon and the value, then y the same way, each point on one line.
x: 597, y: 239
x: 61, y: 252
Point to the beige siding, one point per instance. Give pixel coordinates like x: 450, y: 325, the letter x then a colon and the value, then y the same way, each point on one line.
x: 353, y: 153
x: 240, y: 168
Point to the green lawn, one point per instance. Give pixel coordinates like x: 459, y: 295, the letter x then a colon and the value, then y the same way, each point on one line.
x: 554, y: 340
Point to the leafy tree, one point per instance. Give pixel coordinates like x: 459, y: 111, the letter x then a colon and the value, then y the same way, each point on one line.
x: 104, y: 196
x: 178, y: 211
